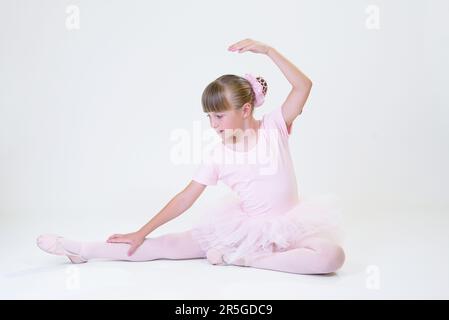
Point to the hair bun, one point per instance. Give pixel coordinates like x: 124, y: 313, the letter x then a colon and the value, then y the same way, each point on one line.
x: 260, y: 88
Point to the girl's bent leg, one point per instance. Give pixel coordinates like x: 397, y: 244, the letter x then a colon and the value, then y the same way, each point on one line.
x: 315, y: 256
x: 170, y: 246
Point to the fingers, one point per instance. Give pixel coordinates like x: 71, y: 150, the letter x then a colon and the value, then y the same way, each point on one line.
x: 119, y: 240
x: 241, y: 43
x: 239, y: 49
x: 115, y: 236
x: 245, y: 48
x: 245, y: 45
x: 235, y: 48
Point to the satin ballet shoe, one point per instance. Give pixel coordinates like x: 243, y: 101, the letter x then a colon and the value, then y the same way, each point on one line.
x: 53, y: 244
x: 215, y: 257
x: 242, y: 262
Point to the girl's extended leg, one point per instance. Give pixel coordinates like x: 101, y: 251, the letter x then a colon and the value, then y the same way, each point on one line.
x: 170, y: 246
x: 313, y: 256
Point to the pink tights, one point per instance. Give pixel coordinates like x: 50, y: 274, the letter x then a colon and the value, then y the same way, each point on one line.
x: 311, y: 256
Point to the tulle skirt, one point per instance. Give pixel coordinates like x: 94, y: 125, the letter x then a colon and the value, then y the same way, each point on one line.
x: 227, y: 228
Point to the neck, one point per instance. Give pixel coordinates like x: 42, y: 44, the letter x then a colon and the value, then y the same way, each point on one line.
x: 249, y: 126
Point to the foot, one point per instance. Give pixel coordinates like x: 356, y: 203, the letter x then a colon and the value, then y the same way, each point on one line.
x: 215, y: 257
x: 54, y: 244
x: 242, y: 262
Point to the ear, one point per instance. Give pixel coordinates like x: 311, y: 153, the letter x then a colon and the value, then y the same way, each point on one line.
x: 246, y: 110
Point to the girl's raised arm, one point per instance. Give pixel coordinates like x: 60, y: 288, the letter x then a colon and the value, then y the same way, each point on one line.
x: 301, y: 84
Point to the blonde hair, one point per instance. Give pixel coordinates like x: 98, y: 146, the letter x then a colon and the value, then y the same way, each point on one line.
x: 229, y: 92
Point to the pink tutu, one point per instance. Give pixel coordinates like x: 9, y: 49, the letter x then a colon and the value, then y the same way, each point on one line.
x: 237, y: 234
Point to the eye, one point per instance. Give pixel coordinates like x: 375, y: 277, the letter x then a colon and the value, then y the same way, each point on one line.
x: 219, y: 116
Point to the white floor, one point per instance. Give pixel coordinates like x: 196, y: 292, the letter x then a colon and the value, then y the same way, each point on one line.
x: 391, y: 255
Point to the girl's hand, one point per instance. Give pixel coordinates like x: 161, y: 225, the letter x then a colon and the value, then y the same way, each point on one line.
x: 135, y: 239
x: 250, y: 45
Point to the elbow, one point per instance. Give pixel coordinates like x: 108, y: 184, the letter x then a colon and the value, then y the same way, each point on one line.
x: 308, y: 87
x: 187, y: 198
x: 185, y: 201
x: 304, y: 86
x: 309, y: 84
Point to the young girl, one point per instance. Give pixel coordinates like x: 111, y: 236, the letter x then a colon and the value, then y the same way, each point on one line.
x: 266, y: 225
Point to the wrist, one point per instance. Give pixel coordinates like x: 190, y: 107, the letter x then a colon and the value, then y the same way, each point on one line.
x: 142, y: 233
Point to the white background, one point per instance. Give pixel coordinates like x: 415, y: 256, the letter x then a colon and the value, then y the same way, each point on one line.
x: 86, y: 117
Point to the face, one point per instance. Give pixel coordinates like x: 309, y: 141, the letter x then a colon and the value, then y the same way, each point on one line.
x: 231, y: 121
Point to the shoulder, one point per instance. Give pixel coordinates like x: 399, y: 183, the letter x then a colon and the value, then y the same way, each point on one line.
x: 275, y: 120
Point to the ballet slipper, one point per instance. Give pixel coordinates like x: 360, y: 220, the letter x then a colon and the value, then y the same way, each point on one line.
x: 54, y: 244
x: 215, y: 257
x: 242, y: 262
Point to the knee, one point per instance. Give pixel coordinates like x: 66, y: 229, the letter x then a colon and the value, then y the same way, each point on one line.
x: 330, y: 255
x: 333, y: 258
x: 171, y: 240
